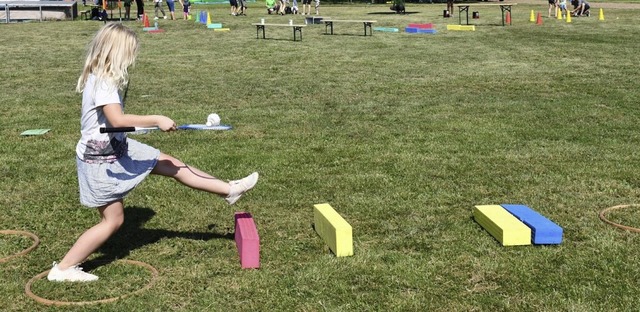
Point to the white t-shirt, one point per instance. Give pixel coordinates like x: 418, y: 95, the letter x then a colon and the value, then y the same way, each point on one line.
x: 94, y: 146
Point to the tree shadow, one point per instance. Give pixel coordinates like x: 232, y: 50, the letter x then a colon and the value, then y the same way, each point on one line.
x: 132, y: 235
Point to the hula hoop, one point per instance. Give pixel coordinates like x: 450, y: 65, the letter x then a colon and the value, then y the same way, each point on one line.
x: 35, y: 239
x: 603, y: 217
x: 27, y: 288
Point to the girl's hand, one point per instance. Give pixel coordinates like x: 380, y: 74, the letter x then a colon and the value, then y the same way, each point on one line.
x: 166, y: 124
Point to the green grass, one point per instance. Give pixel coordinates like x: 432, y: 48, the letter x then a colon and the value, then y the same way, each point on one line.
x: 402, y: 134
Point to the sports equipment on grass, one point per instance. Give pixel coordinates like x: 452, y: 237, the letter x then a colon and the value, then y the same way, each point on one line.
x: 502, y: 225
x: 181, y: 127
x: 247, y: 240
x: 333, y: 229
x: 543, y: 230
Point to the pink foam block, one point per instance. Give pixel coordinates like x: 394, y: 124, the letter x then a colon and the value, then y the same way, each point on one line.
x: 427, y: 26
x: 247, y: 241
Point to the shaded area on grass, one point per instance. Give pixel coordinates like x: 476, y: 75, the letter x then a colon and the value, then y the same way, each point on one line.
x: 132, y: 235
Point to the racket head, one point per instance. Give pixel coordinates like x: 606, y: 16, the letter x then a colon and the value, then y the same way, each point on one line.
x: 204, y: 127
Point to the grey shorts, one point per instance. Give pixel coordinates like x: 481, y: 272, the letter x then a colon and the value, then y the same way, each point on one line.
x: 103, y: 183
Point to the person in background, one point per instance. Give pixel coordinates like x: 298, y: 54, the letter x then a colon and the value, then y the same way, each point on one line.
x: 234, y: 7
x: 140, y: 6
x: 552, y: 7
x: 580, y: 8
x: 562, y: 5
x: 186, y: 7
x: 242, y: 7
x: 172, y: 9
x: 158, y: 7
x: 127, y: 9
x: 271, y: 6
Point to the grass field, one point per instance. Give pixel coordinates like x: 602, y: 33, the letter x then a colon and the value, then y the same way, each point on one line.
x: 402, y: 134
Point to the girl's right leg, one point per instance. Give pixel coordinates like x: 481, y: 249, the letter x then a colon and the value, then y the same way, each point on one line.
x: 170, y: 166
x: 112, y: 217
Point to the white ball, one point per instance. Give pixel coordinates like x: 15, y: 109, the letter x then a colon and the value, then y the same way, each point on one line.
x: 213, y: 120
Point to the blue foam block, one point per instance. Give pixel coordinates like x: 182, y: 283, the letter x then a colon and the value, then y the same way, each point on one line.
x: 411, y: 29
x: 543, y: 230
x: 426, y: 31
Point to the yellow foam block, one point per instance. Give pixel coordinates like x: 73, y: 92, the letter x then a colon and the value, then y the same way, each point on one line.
x: 333, y: 229
x: 461, y: 27
x: 502, y: 225
x: 221, y: 29
x: 453, y: 27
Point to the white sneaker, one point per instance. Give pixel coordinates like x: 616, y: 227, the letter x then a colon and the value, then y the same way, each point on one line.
x: 239, y: 187
x: 155, y: 18
x: 72, y: 274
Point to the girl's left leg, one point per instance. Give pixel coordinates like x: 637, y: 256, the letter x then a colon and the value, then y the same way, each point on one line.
x: 112, y: 217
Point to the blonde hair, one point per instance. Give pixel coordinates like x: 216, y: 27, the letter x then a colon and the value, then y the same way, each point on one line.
x: 109, y: 55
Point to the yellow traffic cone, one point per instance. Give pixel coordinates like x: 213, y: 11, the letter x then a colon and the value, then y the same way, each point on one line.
x: 208, y: 18
x: 568, y: 17
x: 601, y: 16
x: 559, y: 13
x: 533, y: 17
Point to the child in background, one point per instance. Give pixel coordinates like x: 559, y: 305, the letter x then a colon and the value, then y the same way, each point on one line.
x: 294, y: 7
x: 317, y: 7
x: 186, y: 5
x: 562, y: 5
x: 110, y: 165
x: 234, y: 7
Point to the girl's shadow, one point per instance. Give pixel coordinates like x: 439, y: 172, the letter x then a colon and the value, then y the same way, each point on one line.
x: 132, y: 236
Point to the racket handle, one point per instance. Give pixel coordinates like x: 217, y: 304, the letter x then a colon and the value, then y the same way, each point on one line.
x: 118, y: 129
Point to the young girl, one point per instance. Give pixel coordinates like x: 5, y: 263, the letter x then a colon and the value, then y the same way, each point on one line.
x: 185, y: 9
x: 110, y: 165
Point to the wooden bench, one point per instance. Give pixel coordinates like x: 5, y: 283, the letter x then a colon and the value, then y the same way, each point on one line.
x: 504, y: 7
x: 367, y: 24
x: 296, y: 29
x: 69, y: 8
x: 85, y: 15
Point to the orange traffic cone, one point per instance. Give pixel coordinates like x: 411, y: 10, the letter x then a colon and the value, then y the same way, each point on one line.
x: 539, y: 19
x: 146, y: 21
x: 508, y: 17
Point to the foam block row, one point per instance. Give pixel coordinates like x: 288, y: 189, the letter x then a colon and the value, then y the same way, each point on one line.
x: 543, y: 230
x: 247, y: 241
x: 333, y: 229
x: 502, y: 225
x: 461, y: 27
x: 420, y: 30
x: 387, y: 29
x: 422, y: 26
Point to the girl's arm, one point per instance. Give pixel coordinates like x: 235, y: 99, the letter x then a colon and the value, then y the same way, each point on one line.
x: 117, y: 118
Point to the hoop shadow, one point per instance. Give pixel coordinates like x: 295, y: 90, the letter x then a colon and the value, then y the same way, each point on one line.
x: 132, y: 236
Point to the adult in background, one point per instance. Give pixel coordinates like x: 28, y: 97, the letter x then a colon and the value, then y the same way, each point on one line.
x: 140, y: 5
x: 580, y: 8
x: 172, y: 9
x: 552, y: 7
